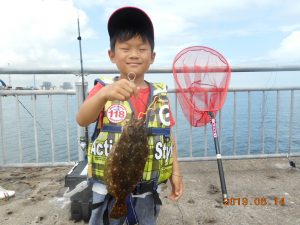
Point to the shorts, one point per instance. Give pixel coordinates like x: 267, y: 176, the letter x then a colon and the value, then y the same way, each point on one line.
x: 146, y: 210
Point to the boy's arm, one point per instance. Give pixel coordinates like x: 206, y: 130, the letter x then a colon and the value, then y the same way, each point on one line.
x: 176, y: 178
x: 90, y: 109
x: 176, y: 169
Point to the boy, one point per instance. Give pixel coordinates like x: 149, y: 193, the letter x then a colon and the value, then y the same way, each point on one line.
x: 111, y: 103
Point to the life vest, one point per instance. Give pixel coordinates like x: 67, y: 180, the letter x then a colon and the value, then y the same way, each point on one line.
x: 159, y: 164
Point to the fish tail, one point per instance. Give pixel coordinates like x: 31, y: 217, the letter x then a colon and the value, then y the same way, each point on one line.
x: 118, y: 210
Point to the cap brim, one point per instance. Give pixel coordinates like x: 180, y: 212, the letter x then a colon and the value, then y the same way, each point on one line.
x: 129, y: 17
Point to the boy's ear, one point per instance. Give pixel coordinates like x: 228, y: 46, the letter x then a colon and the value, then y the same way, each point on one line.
x: 153, y: 57
x: 111, y: 55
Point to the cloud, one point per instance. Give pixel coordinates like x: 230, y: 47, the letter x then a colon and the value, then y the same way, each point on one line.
x: 179, y: 24
x: 34, y: 32
x: 43, y: 32
x: 89, y: 3
x: 289, y: 49
x: 291, y: 8
x: 289, y: 28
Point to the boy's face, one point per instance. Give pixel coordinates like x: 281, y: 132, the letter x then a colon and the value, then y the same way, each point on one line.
x: 132, y: 55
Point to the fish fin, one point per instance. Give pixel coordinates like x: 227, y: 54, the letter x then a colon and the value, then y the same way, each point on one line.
x: 118, y: 210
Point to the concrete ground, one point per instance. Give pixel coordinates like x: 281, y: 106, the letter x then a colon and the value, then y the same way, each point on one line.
x: 263, y: 191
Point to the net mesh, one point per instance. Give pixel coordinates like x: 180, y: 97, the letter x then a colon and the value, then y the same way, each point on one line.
x: 201, y: 79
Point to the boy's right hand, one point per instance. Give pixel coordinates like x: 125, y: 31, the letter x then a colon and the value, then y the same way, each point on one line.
x: 120, y: 90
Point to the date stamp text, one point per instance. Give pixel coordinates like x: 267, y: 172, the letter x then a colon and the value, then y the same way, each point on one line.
x: 259, y: 201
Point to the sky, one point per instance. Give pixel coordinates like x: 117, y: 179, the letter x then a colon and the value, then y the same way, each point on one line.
x: 43, y: 34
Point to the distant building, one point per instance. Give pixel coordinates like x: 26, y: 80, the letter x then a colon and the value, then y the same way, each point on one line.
x: 66, y: 86
x: 47, y: 85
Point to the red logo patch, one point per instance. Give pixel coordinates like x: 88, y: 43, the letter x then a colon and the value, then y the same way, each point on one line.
x: 116, y: 113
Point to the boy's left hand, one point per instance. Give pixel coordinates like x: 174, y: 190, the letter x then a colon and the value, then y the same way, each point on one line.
x: 177, y: 187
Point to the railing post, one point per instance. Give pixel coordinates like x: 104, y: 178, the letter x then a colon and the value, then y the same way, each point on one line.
x: 80, y: 130
x: 18, y: 120
x: 36, y: 141
x: 2, y: 133
x: 291, y: 122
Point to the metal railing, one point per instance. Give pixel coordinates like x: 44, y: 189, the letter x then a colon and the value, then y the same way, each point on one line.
x: 201, y: 137
x: 234, y: 69
x: 291, y: 127
x: 16, y: 120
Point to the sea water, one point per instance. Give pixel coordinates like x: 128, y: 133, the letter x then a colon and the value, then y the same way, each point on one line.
x: 201, y: 138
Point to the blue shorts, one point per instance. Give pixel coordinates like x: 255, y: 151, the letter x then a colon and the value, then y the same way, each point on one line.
x: 145, y: 208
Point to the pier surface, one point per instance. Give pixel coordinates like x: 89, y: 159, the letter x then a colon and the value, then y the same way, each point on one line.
x: 262, y: 191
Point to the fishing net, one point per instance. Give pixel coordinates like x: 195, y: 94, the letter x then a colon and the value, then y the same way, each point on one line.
x: 201, y: 79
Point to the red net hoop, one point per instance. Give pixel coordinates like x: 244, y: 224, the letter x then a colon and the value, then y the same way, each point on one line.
x: 201, y: 78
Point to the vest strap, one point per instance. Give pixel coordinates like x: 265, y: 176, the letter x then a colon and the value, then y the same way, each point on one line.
x: 159, y: 131
x: 111, y: 128
x: 142, y: 188
x: 131, y: 218
x: 96, y: 205
x: 109, y: 198
x: 151, y: 130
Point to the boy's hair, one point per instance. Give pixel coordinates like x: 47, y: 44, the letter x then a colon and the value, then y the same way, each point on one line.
x: 124, y: 35
x: 128, y: 22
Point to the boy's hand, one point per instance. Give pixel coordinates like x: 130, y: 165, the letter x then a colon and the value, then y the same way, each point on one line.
x: 120, y: 90
x: 177, y: 187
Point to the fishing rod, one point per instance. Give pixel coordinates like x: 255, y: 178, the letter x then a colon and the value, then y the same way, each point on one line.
x: 27, y: 110
x: 84, y: 141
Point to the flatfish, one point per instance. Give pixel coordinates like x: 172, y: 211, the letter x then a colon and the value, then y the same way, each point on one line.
x: 125, y: 164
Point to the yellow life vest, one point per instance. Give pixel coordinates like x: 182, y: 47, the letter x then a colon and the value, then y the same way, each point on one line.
x: 159, y: 164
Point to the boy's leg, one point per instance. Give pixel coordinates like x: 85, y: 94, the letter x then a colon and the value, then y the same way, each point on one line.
x: 99, y: 214
x: 146, y: 210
